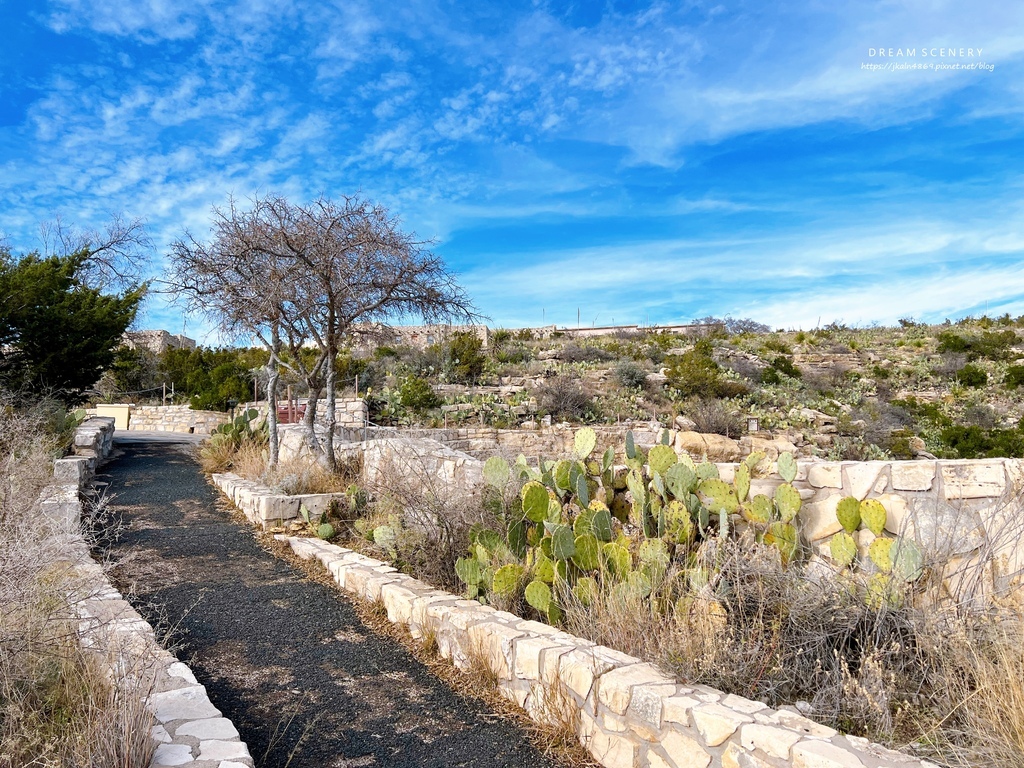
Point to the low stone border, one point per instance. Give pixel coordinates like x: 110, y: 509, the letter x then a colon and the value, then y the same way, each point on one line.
x: 630, y: 714
x: 190, y: 732
x: 262, y: 506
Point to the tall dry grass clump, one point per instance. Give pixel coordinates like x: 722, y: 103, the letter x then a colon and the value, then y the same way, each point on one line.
x: 58, y: 706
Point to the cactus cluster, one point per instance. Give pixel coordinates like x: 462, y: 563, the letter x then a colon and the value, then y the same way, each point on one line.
x: 895, y: 559
x: 239, y: 429
x: 585, y: 526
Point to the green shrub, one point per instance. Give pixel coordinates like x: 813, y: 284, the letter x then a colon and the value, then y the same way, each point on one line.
x: 972, y: 376
x: 417, y: 395
x: 465, y: 357
x: 630, y: 375
x: 992, y: 345
x: 1014, y: 376
x: 696, y: 374
x: 974, y: 442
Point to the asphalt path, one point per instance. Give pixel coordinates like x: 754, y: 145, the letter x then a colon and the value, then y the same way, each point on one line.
x: 306, y: 683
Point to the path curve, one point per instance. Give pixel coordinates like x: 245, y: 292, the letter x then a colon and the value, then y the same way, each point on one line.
x: 287, y: 659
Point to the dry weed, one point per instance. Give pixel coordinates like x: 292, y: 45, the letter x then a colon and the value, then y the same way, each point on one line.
x: 58, y: 704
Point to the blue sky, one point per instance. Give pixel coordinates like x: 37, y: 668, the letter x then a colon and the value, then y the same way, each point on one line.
x: 636, y: 162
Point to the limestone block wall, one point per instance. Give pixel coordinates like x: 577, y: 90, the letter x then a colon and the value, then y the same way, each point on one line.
x: 350, y: 413
x: 423, y: 464
x: 174, y: 418
x: 262, y: 506
x: 630, y: 714
x: 557, y: 440
x: 188, y: 729
x: 965, y: 515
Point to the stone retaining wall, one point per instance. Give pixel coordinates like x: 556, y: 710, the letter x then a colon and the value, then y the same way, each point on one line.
x: 630, y: 714
x: 189, y: 731
x: 174, y: 418
x: 557, y: 440
x: 965, y: 515
x: 268, y: 509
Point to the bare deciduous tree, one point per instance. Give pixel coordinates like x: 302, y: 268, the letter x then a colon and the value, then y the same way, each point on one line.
x: 117, y: 253
x: 318, y: 274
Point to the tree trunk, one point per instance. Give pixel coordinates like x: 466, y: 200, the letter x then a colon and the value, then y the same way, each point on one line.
x: 273, y: 446
x: 330, y: 416
x: 273, y: 377
x: 309, y: 419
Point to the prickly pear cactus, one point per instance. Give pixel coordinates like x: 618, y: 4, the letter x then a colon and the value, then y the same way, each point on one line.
x: 497, y: 472
x: 584, y: 442
x: 848, y: 514
x: 719, y: 495
x: 907, y: 560
x: 787, y: 467
x: 538, y: 594
x: 506, y: 579
x: 843, y: 549
x: 873, y: 515
x: 661, y: 458
x: 880, y: 553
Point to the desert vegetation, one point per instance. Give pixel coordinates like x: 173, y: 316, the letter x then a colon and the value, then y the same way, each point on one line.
x: 657, y: 556
x: 58, y: 707
x: 951, y: 390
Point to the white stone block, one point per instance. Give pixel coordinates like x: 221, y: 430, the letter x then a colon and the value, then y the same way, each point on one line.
x: 684, y: 750
x: 212, y: 728
x: 825, y: 475
x: 170, y: 755
x: 775, y: 742
x: 717, y: 723
x: 223, y: 750
x: 913, y: 475
x: 823, y: 754
x: 182, y: 704
x: 973, y: 479
x: 615, y: 688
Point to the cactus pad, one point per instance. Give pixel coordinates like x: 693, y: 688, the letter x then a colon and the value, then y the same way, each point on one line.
x: 880, y: 553
x: 719, y: 495
x: 786, y: 465
x: 468, y: 570
x: 563, y: 542
x: 907, y: 560
x: 759, y: 510
x: 848, y: 514
x: 617, y: 559
x: 843, y: 549
x: 506, y: 579
x: 587, y: 555
x: 535, y: 501
x: 742, y: 482
x: 873, y: 515
x: 497, y: 472
x: 584, y: 442
x: 787, y: 499
x: 661, y: 458
x: 538, y: 594
x: 680, y: 480
x: 784, y: 537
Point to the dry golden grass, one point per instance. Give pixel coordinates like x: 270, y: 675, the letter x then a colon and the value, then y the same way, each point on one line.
x: 58, y: 707
x: 298, y: 476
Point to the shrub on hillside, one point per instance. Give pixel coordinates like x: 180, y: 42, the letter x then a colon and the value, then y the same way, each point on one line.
x: 630, y: 375
x: 714, y: 417
x: 565, y: 398
x: 972, y: 376
x: 417, y: 395
x: 696, y: 374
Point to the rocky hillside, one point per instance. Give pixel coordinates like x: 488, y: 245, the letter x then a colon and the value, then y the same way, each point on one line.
x: 950, y: 390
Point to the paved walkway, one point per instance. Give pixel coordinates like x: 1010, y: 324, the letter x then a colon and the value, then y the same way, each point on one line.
x: 287, y: 659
